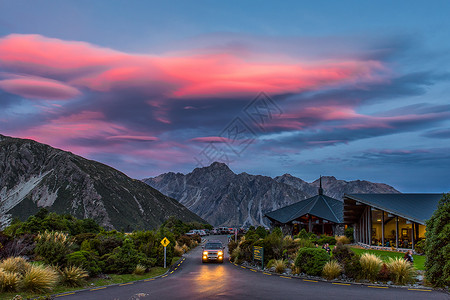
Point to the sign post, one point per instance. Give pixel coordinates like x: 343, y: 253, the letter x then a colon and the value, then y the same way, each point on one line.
x: 165, y: 241
x: 258, y: 254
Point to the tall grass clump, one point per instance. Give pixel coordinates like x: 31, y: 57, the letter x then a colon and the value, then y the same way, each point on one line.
x: 236, y: 255
x: 279, y: 265
x: 53, y: 246
x: 39, y: 279
x: 331, y: 270
x: 185, y: 248
x: 178, y: 250
x: 140, y: 269
x: 15, y: 265
x: 9, y: 281
x: 401, y: 271
x: 371, y: 265
x: 73, y: 276
x: 342, y: 239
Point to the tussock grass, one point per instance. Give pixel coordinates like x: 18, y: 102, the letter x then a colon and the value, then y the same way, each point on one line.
x: 236, y: 254
x: 401, y: 271
x: 15, y: 265
x: 39, y: 279
x: 371, y: 265
x: 73, y: 276
x: 185, y: 248
x: 295, y: 270
x: 9, y: 281
x: 342, y: 239
x: 139, y: 270
x: 178, y: 250
x: 331, y: 270
x: 279, y: 265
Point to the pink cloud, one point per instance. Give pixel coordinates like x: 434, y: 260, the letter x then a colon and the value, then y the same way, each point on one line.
x: 133, y: 138
x: 181, y: 75
x: 211, y: 139
x: 38, y: 88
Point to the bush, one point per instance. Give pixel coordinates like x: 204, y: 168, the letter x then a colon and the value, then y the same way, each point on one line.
x: 85, y: 260
x: 294, y: 269
x: 352, y: 267
x: 342, y: 253
x: 401, y: 270
x: 419, y: 247
x: 124, y: 259
x: 73, y: 276
x: 342, y: 239
x: 231, y: 246
x: 349, y: 234
x: 384, y: 274
x: 9, y: 281
x: 279, y: 265
x: 139, y: 270
x: 53, y: 247
x: 236, y: 255
x: 17, y: 265
x: 371, y: 265
x: 304, y: 243
x: 185, y: 248
x: 39, y: 279
x: 311, y: 260
x: 326, y: 239
x: 437, y: 245
x: 331, y: 270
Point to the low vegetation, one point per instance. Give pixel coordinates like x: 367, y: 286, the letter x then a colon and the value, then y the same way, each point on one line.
x: 370, y: 266
x: 63, y: 252
x: 331, y: 270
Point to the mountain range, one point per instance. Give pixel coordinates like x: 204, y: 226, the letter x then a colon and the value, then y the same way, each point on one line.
x: 35, y: 175
x: 224, y: 198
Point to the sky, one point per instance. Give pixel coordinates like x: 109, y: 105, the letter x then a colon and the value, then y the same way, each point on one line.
x: 308, y: 88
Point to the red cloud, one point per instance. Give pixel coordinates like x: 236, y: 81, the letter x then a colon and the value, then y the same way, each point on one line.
x: 184, y: 75
x: 38, y: 88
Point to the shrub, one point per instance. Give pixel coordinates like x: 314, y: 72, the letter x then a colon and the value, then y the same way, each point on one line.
x: 331, y: 270
x: 401, y: 271
x: 139, y: 270
x: 311, y: 260
x: 342, y: 253
x: 371, y: 265
x: 15, y: 265
x: 326, y: 239
x: 384, y: 274
x: 261, y: 232
x: 86, y: 260
x: 9, y: 281
x: 342, y: 239
x: 304, y: 243
x: 349, y: 234
x: 303, y: 234
x: 185, y: 248
x: 419, y: 247
x: 124, y: 259
x: 232, y: 245
x: 437, y: 244
x: 39, y: 279
x: 53, y: 247
x: 73, y: 276
x: 279, y: 265
x: 352, y: 267
x: 236, y: 255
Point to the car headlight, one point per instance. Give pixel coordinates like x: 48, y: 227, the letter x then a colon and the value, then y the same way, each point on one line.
x: 220, y: 253
x: 205, y: 252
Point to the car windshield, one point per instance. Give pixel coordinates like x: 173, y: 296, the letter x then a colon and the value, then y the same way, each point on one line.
x: 213, y: 246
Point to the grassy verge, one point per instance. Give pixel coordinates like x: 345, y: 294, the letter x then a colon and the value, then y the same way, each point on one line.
x: 419, y: 260
x: 91, y: 283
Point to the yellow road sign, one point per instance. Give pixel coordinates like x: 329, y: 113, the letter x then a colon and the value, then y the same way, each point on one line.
x: 165, y: 241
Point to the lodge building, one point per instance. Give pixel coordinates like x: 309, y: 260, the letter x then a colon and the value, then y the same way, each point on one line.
x: 389, y: 220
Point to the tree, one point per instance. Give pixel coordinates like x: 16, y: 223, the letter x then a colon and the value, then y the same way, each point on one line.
x: 437, y: 244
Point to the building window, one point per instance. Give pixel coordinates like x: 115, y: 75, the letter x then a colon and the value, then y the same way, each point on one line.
x: 390, y: 229
x: 376, y: 233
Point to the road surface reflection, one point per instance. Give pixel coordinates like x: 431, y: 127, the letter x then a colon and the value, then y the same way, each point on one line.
x: 211, y: 278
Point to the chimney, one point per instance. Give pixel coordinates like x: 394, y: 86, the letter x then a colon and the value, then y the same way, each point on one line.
x: 320, y: 186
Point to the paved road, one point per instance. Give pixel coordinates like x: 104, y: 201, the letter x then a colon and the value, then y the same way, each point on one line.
x: 194, y: 280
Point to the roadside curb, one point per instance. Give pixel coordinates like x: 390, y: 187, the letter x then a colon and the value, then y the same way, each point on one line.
x: 346, y: 283
x: 170, y: 269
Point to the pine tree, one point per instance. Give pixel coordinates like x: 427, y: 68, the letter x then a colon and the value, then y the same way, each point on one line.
x: 437, y: 245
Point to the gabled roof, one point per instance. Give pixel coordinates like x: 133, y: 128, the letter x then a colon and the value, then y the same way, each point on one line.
x: 414, y: 207
x: 320, y: 206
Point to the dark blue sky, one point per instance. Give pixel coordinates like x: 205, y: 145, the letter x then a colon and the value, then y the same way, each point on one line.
x: 352, y: 90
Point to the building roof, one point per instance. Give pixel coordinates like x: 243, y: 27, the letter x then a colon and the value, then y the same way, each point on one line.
x: 320, y: 206
x: 414, y: 207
